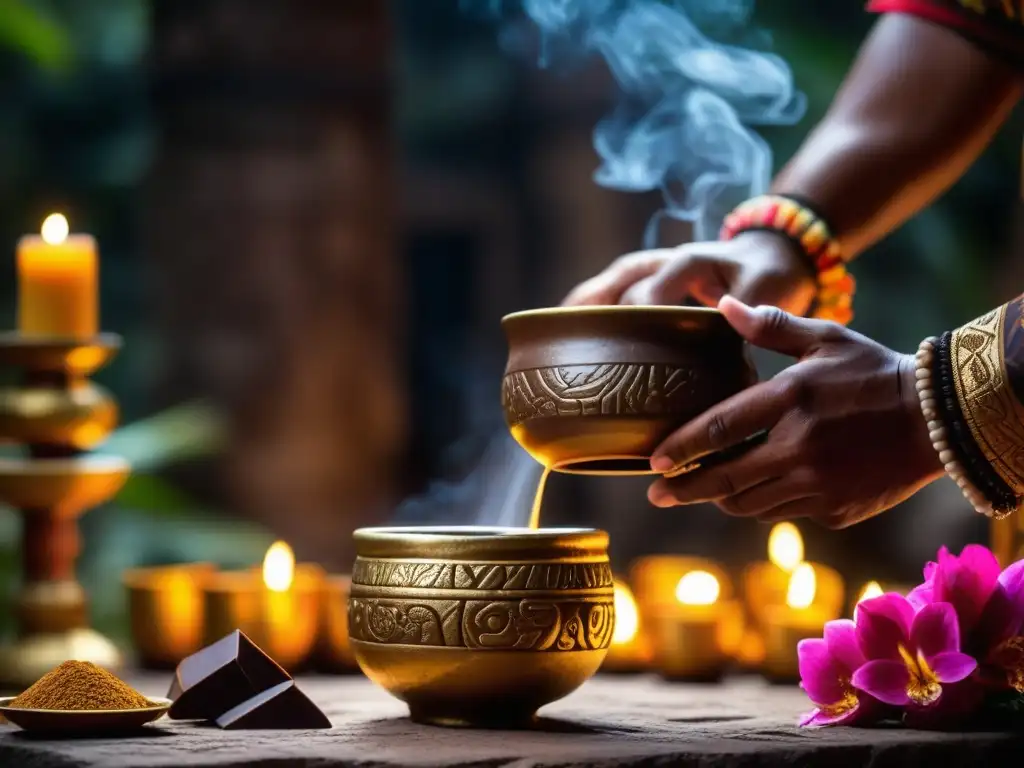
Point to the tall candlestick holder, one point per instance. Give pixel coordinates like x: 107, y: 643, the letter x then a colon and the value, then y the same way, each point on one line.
x: 56, y: 414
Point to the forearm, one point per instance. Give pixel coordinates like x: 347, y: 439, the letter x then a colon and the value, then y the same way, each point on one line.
x: 916, y: 110
x: 974, y: 402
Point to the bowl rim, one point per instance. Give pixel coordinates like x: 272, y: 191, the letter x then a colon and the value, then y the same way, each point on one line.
x: 481, y: 543
x: 611, y: 309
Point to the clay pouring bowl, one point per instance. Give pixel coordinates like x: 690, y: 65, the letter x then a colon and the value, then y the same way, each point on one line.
x: 480, y: 627
x: 594, y: 390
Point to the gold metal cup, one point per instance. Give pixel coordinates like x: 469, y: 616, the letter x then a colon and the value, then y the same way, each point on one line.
x: 480, y: 626
x: 165, y: 610
x: 284, y: 624
x: 697, y: 643
x: 333, y: 649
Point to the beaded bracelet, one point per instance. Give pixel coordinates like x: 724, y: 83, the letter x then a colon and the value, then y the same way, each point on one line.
x: 809, y: 231
x: 940, y: 409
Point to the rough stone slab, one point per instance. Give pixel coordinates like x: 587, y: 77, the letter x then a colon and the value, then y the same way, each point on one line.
x: 611, y: 721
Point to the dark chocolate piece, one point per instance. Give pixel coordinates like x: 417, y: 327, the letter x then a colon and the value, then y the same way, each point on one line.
x: 283, y: 707
x: 221, y: 676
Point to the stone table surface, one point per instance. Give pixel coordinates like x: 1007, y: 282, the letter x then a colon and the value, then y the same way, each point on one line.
x: 611, y: 721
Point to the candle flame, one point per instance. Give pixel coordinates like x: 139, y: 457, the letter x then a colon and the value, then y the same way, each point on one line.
x: 871, y: 589
x: 278, y: 567
x: 698, y: 588
x: 627, y: 617
x: 55, y: 229
x: 786, y: 546
x: 803, y: 583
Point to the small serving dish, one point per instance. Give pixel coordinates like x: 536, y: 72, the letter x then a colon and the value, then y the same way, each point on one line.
x: 83, y: 721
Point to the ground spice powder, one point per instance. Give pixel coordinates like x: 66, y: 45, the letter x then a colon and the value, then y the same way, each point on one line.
x: 80, y: 685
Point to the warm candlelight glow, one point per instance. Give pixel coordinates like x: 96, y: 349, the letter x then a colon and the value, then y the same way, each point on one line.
x: 278, y: 567
x: 627, y: 617
x: 785, y: 546
x: 871, y: 589
x: 55, y: 229
x: 802, y: 586
x: 698, y: 588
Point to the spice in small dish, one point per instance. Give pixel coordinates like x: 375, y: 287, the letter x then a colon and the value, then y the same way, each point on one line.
x: 80, y: 685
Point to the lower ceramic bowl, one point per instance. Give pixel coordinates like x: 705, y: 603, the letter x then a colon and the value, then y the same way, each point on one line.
x: 480, y: 626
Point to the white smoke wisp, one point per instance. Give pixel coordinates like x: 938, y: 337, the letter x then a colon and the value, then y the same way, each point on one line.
x: 497, y: 491
x: 683, y: 122
x: 682, y: 125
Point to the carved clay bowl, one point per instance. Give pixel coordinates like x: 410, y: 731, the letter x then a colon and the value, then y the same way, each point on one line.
x: 594, y: 390
x: 480, y: 627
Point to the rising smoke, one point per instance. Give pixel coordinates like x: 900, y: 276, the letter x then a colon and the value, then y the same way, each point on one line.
x: 683, y: 124
x: 686, y: 104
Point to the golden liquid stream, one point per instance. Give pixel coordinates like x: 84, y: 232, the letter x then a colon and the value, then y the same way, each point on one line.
x: 538, y: 498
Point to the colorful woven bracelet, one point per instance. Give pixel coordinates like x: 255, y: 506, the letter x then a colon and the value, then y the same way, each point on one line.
x: 776, y: 213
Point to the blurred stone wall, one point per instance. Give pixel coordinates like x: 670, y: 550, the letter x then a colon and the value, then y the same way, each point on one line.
x: 271, y: 238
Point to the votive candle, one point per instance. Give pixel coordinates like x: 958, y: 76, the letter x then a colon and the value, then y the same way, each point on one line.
x: 58, y: 282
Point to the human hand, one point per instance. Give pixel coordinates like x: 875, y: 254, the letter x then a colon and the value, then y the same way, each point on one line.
x: 755, y: 267
x: 846, y: 439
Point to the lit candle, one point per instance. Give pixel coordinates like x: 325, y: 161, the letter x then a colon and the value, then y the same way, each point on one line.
x: 786, y: 625
x: 655, y: 578
x: 766, y: 584
x: 280, y: 612
x: 871, y: 590
x: 630, y: 650
x: 165, y: 609
x: 696, y: 639
x: 876, y: 589
x: 57, y: 282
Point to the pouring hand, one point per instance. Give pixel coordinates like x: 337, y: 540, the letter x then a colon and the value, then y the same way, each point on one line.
x: 756, y: 267
x: 846, y: 439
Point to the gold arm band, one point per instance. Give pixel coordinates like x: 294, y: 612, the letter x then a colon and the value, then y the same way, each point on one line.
x: 987, y: 401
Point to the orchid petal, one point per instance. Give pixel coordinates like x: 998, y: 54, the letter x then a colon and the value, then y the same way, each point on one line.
x: 883, y: 623
x: 921, y: 595
x: 885, y: 680
x: 820, y: 675
x: 966, y: 581
x: 952, y: 666
x: 935, y: 630
x: 1000, y: 620
x: 841, y: 639
x: 820, y: 718
x: 1012, y: 579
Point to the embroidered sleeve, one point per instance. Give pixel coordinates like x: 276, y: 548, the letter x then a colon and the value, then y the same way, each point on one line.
x: 986, y: 363
x: 995, y: 25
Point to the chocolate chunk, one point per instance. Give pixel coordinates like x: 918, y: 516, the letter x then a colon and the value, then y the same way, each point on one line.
x: 282, y: 707
x: 221, y: 676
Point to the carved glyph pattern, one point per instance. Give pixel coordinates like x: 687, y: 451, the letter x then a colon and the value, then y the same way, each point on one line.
x: 614, y: 389
x: 548, y: 576
x: 507, y: 625
x: 989, y: 404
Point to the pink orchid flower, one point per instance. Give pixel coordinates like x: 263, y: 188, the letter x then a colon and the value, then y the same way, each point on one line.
x: 826, y: 667
x: 910, y: 656
x: 989, y: 605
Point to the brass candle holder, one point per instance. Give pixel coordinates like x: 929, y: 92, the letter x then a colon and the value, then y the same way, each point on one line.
x: 57, y: 414
x: 1008, y: 539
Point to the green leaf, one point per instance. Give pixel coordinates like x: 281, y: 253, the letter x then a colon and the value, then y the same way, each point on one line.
x: 153, y: 494
x: 190, y: 431
x: 24, y: 28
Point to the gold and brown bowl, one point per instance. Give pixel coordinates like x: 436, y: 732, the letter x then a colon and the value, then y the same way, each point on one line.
x: 476, y: 626
x: 594, y: 390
